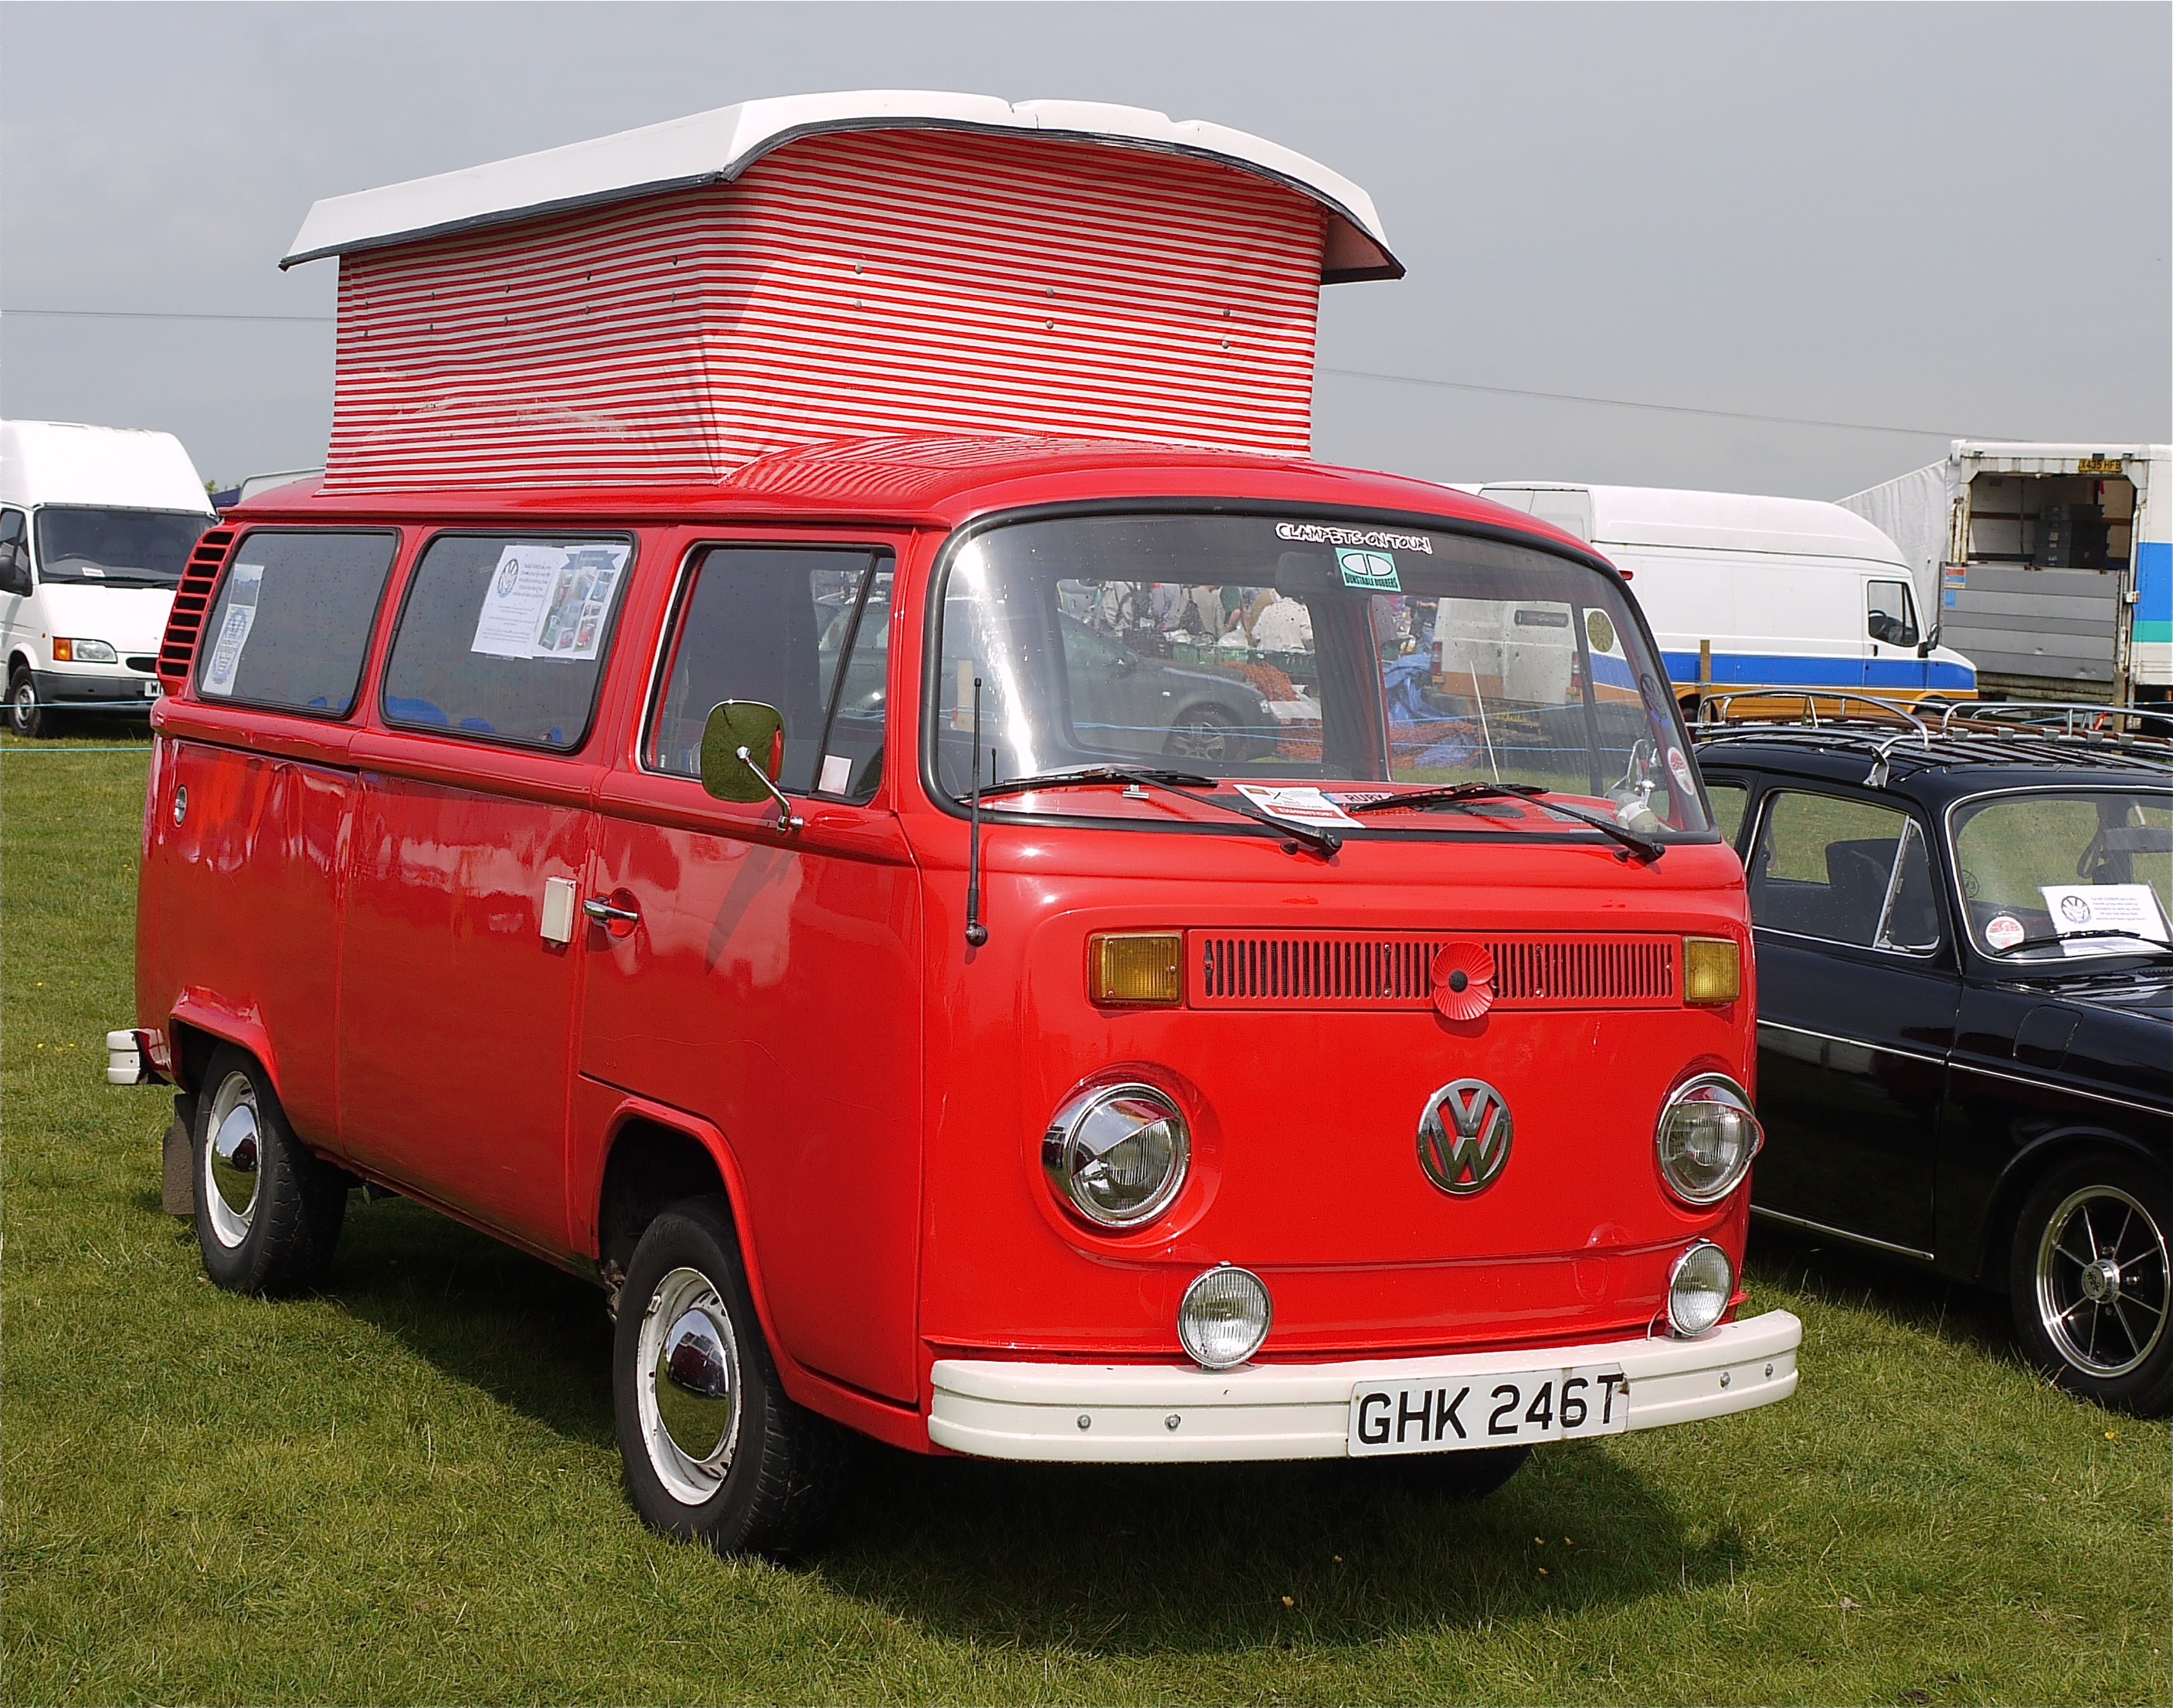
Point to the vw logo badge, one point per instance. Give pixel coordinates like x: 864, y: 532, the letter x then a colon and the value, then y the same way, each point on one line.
x: 1463, y: 1137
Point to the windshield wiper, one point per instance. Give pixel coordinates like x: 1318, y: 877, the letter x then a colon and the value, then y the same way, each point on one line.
x: 2153, y: 945
x: 1323, y: 843
x: 1462, y: 793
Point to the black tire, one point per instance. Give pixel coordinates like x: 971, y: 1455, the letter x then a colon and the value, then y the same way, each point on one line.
x: 25, y: 716
x: 268, y: 1210
x: 2091, y: 1277
x: 1471, y: 1475
x: 726, y: 1458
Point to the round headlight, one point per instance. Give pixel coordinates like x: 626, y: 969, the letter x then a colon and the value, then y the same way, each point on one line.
x: 1699, y: 1288
x: 1707, y: 1137
x: 1117, y: 1154
x: 1224, y: 1317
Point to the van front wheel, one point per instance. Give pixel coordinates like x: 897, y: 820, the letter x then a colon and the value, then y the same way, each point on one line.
x: 25, y: 716
x: 715, y: 1451
x: 268, y: 1212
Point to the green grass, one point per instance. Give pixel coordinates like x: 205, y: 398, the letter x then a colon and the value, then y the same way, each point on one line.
x: 406, y: 1490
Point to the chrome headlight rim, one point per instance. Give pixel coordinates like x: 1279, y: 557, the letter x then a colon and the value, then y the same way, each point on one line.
x: 1225, y: 1271
x: 1697, y: 1249
x: 1073, y: 1113
x: 1682, y: 1094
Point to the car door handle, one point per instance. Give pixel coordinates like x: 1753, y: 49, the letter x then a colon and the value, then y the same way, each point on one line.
x: 604, y: 912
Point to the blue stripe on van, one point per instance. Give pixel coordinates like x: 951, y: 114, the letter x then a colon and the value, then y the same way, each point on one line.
x: 1796, y: 671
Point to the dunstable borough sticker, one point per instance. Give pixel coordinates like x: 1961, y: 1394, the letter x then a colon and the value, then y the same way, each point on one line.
x: 1370, y: 572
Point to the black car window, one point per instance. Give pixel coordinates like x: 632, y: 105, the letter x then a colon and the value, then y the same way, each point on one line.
x: 1728, y: 800
x: 505, y: 639
x: 293, y: 620
x: 1846, y: 871
x: 773, y: 624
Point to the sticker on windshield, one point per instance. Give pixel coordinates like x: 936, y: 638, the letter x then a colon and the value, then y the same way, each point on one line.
x: 1369, y: 572
x: 1678, y: 768
x: 2104, y: 918
x: 1298, y: 805
x: 1599, y: 631
x: 1320, y: 534
x: 2002, y: 931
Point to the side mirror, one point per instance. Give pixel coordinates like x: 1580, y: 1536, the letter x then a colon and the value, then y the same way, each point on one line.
x: 742, y: 752
x: 14, y: 568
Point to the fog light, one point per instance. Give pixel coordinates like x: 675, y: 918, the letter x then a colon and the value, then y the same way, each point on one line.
x: 1142, y: 969
x: 1699, y: 1288
x: 1224, y: 1318
x: 1706, y: 1139
x: 1713, y: 971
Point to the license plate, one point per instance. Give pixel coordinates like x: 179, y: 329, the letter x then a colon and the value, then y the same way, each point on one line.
x: 150, y: 691
x: 1436, y: 1415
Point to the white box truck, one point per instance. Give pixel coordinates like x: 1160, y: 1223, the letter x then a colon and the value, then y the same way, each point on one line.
x: 2052, y: 564
x: 96, y: 524
x: 1746, y: 589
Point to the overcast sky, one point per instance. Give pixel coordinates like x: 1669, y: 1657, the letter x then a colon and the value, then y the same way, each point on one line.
x: 1948, y: 219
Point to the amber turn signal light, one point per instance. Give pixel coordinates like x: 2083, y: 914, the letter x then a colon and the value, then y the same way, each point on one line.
x: 1136, y: 969
x: 1712, y: 970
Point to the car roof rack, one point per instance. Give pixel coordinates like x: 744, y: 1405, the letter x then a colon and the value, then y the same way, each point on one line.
x: 1888, y: 732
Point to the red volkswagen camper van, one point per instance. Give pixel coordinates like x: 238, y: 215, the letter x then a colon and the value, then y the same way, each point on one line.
x: 973, y: 924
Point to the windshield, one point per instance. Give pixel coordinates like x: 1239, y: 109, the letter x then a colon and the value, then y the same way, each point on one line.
x: 137, y: 548
x: 2063, y: 873
x: 1296, y: 653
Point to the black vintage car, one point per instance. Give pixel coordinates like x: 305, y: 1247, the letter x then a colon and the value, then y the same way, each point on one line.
x: 1965, y: 1015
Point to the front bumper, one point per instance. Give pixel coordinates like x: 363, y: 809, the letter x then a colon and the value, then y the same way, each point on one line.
x: 1003, y: 1410
x: 122, y: 692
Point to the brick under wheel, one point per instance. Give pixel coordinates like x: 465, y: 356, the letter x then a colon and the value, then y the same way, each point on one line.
x: 268, y: 1210
x: 714, y: 1449
x: 2091, y: 1277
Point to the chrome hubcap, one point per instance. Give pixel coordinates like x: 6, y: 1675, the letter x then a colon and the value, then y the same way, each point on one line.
x: 2102, y: 1281
x: 231, y: 1160
x: 689, y: 1384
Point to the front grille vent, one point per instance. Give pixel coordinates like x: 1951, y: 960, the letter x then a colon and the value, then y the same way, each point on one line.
x: 1354, y: 970
x: 191, y: 600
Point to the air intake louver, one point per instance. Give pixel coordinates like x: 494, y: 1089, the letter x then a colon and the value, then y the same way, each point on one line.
x: 191, y: 600
x: 1352, y: 970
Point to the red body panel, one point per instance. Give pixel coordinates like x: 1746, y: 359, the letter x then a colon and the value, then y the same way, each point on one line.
x: 365, y: 903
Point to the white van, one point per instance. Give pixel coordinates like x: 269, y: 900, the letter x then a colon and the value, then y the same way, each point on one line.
x: 95, y: 526
x: 1780, y: 591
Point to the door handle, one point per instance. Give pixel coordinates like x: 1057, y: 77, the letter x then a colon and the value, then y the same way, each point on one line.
x: 605, y: 912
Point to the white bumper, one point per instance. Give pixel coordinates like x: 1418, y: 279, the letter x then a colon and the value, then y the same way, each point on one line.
x: 1119, y: 1414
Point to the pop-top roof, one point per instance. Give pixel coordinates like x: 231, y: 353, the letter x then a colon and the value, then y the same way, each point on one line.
x: 716, y: 147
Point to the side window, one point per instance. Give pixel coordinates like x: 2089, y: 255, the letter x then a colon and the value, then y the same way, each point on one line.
x: 1728, y: 800
x: 505, y: 639
x: 14, y: 553
x: 1844, y: 871
x: 293, y: 619
x: 1892, y: 613
x: 804, y: 629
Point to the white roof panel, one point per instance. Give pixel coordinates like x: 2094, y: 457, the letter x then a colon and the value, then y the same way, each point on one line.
x: 65, y: 462
x: 716, y: 147
x: 1720, y: 522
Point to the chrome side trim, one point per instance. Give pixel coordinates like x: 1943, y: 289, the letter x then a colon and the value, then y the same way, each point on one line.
x: 1967, y: 1067
x: 1856, y: 1043
x: 1842, y: 1233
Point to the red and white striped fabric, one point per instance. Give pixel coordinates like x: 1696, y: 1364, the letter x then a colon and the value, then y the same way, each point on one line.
x: 856, y: 283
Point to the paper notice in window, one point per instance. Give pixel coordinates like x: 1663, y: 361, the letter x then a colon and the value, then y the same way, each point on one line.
x: 1298, y: 805
x: 2129, y: 909
x: 549, y: 601
x: 242, y: 587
